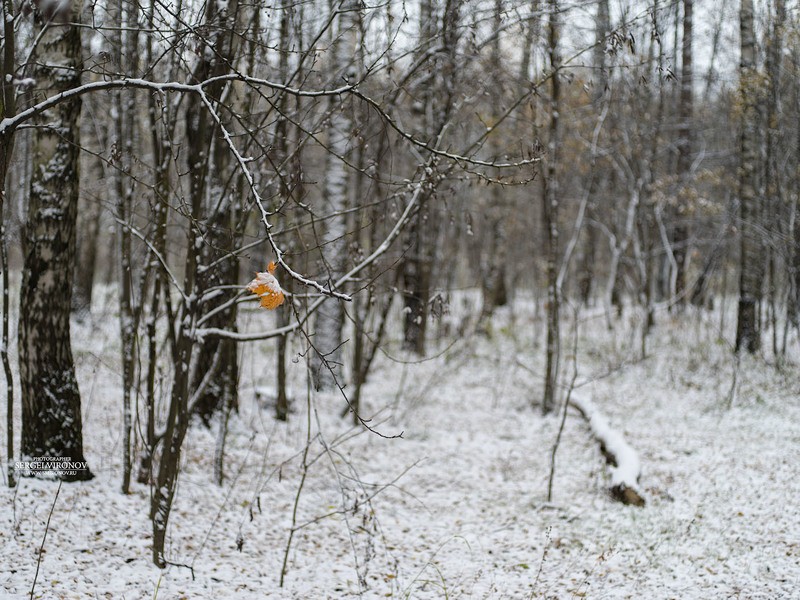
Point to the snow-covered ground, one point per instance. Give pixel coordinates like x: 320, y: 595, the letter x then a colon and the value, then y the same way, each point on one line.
x: 456, y: 508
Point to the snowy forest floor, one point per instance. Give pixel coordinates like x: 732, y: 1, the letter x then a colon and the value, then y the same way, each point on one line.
x: 456, y: 508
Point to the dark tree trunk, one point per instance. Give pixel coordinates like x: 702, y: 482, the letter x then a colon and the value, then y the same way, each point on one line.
x: 680, y: 233
x: 550, y: 214
x: 7, y: 109
x: 416, y: 286
x: 51, y: 403
x: 210, y: 191
x: 219, y: 355
x: 221, y: 19
x: 493, y: 281
x: 88, y: 229
x: 748, y: 334
x: 282, y: 157
x: 437, y: 105
x: 589, y: 252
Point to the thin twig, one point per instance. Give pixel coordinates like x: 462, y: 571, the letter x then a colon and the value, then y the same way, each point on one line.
x: 299, y: 485
x: 44, y: 538
x: 566, y: 407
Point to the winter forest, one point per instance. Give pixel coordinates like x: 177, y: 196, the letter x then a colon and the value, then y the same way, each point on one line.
x: 415, y: 299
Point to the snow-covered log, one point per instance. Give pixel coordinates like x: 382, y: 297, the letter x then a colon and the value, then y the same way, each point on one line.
x: 624, y: 461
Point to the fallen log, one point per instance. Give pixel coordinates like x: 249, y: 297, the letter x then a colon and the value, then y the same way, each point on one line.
x: 625, y: 466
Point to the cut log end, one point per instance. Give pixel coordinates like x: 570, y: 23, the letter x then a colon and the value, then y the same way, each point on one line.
x: 627, y: 495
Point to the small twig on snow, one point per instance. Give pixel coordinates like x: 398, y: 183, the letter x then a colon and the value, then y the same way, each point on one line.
x: 44, y: 538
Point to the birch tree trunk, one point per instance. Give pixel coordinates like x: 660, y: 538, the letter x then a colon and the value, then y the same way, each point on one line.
x: 124, y: 131
x: 51, y: 403
x: 775, y: 207
x: 327, y: 360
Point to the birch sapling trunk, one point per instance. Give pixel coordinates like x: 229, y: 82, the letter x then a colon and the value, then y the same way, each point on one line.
x: 51, y: 403
x: 123, y: 119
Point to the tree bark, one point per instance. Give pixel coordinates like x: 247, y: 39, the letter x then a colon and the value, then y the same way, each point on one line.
x: 51, y: 403
x: 188, y: 367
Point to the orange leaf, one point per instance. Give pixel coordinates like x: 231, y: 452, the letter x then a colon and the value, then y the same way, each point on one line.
x: 266, y: 286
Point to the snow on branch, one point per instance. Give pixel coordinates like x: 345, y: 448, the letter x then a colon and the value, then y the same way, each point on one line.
x: 626, y: 468
x: 411, y: 206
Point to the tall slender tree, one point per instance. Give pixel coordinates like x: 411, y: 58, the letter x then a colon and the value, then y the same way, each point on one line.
x: 550, y: 211
x: 602, y: 29
x: 748, y: 335
x: 685, y: 144
x: 123, y: 121
x: 7, y: 109
x: 494, y: 250
x: 435, y: 93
